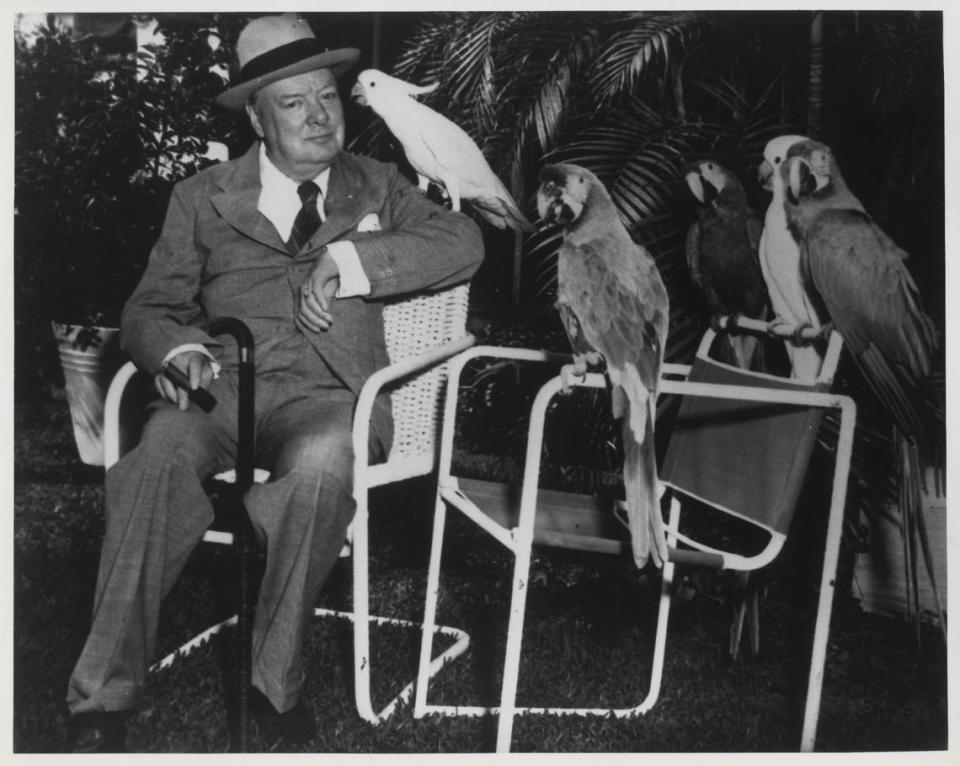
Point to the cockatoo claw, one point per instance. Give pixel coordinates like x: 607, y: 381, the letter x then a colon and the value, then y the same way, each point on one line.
x: 779, y: 327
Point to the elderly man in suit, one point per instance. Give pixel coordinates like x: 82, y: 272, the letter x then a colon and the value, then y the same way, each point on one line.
x: 281, y: 238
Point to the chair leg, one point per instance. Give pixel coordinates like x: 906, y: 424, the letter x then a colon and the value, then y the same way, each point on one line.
x: 663, y: 613
x: 828, y: 578
x: 746, y: 613
x: 430, y: 607
x: 511, y: 666
x: 753, y: 617
x: 361, y: 610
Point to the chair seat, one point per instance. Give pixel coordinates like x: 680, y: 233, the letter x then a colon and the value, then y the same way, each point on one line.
x: 748, y: 458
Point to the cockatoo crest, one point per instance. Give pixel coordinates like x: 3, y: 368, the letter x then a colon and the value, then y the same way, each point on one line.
x: 376, y: 84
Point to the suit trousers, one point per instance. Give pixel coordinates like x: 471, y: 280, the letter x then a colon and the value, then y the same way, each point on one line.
x: 157, y: 511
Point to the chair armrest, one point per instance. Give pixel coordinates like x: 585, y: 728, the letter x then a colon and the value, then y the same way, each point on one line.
x: 393, y: 372
x: 111, y: 413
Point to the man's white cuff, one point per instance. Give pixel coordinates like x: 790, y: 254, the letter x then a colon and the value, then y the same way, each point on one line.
x: 193, y: 347
x: 353, y: 279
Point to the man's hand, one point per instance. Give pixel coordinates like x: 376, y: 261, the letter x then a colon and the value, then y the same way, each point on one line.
x: 198, y: 369
x: 316, y: 294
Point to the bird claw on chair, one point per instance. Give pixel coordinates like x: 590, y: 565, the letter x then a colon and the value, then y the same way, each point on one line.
x: 775, y: 327
x: 577, y: 370
x: 782, y: 328
x: 797, y: 336
x: 732, y: 325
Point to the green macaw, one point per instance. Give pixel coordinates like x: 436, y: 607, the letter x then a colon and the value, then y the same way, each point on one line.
x: 869, y: 296
x: 722, y: 253
x: 614, y: 306
x: 860, y: 277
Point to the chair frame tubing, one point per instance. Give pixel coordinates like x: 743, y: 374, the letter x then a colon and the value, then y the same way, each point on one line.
x: 519, y: 540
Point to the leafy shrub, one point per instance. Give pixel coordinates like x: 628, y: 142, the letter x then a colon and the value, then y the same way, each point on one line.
x: 101, y: 136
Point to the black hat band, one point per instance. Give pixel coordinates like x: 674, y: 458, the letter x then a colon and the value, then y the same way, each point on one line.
x: 280, y: 57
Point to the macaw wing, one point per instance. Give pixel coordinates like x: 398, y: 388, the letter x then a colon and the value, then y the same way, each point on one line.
x: 574, y: 330
x: 622, y: 315
x: 874, y: 304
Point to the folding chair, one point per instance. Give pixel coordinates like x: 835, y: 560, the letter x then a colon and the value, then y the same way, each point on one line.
x: 422, y: 332
x: 534, y: 515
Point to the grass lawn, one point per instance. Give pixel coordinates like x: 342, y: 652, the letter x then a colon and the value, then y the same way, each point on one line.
x: 588, y: 641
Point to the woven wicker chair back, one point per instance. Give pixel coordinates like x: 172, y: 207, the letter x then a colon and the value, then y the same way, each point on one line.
x: 411, y: 326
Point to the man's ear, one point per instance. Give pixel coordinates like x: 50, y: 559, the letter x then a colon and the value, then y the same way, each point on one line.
x: 254, y: 119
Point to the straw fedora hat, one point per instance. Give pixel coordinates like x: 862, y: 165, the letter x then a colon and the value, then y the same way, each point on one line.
x: 273, y: 48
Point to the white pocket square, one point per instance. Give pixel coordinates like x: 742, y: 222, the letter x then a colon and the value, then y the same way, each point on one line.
x: 370, y: 222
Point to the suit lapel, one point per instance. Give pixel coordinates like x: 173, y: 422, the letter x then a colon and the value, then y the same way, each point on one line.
x: 343, y: 203
x: 237, y: 202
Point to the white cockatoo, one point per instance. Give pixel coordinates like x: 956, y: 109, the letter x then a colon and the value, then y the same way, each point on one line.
x: 438, y: 149
x: 779, y: 255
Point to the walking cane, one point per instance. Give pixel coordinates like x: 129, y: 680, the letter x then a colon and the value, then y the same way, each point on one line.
x: 244, y: 532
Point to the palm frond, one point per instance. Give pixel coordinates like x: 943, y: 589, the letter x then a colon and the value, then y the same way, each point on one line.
x: 541, y: 93
x: 644, y: 41
x: 425, y: 53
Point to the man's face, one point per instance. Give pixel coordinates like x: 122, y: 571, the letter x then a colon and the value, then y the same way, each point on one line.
x: 300, y: 120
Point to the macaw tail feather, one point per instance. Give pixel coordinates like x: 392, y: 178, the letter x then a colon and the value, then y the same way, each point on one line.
x: 647, y: 531
x: 914, y: 529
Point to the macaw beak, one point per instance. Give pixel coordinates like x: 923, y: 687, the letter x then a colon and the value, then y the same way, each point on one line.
x: 801, y: 180
x: 695, y: 182
x: 765, y: 175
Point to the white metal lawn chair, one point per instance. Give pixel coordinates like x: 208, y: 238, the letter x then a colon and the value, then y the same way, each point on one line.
x: 578, y: 521
x: 422, y: 332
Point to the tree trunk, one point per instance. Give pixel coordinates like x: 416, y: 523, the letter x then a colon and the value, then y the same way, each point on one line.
x: 815, y: 83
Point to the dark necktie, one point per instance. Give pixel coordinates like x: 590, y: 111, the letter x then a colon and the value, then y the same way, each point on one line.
x: 308, y: 219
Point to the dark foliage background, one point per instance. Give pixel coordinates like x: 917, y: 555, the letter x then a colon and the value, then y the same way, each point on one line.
x: 102, y: 135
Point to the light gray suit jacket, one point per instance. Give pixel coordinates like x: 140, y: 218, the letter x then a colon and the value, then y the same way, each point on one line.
x: 217, y: 255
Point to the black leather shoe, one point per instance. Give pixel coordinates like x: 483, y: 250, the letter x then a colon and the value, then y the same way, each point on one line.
x: 97, y: 732
x: 297, y: 726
